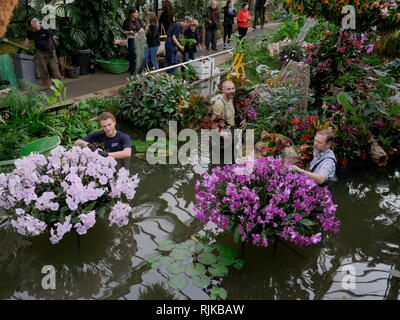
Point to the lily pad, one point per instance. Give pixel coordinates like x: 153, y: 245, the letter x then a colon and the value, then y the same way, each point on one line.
x: 195, y: 269
x: 226, y: 261
x: 216, y: 292
x: 181, y: 254
x: 201, y: 282
x: 238, y: 264
x: 166, y: 245
x: 153, y: 257
x: 189, y: 244
x: 200, y: 246
x: 176, y: 268
x: 227, y: 252
x: 178, y: 283
x: 207, y: 258
x: 163, y: 261
x: 218, y: 270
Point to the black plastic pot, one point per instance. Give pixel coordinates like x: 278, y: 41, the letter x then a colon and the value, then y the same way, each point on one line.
x: 72, y: 72
x: 81, y: 58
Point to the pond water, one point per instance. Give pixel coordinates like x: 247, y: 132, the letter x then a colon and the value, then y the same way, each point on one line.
x: 108, y: 262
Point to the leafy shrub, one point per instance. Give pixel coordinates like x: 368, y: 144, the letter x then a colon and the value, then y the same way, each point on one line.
x: 151, y: 101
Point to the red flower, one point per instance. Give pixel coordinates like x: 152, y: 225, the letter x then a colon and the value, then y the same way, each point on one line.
x: 341, y: 49
x: 305, y: 137
x: 295, y: 121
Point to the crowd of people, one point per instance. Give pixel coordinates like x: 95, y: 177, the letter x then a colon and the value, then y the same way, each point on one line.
x: 187, y: 28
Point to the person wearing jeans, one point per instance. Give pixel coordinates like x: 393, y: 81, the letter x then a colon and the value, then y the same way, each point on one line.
x: 153, y: 42
x: 172, y: 44
x: 211, y: 19
x: 243, y: 19
x: 191, y: 33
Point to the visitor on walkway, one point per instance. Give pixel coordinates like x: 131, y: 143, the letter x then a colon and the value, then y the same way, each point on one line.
x: 323, y: 165
x: 45, y: 54
x: 131, y: 27
x: 153, y: 42
x: 229, y: 20
x: 166, y: 17
x: 191, y: 33
x: 172, y: 44
x: 243, y: 20
x: 259, y: 12
x: 116, y: 144
x: 212, y: 20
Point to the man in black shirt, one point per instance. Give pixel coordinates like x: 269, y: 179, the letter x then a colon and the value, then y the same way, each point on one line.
x: 116, y: 143
x: 45, y: 51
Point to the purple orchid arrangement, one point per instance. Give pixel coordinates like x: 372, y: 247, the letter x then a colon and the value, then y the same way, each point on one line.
x: 269, y: 202
x: 66, y: 191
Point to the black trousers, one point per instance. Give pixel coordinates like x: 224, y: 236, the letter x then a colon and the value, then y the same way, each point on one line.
x: 132, y: 56
x: 228, y: 28
x: 259, y: 13
x: 242, y: 32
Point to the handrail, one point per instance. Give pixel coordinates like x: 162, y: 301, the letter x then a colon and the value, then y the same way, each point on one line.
x: 230, y: 51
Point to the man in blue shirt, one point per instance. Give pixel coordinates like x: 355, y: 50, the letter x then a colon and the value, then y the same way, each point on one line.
x: 116, y: 143
x: 172, y: 43
x: 323, y: 165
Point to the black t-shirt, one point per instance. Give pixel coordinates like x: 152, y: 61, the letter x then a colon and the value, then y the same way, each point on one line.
x: 43, y: 39
x: 117, y: 143
x: 153, y: 37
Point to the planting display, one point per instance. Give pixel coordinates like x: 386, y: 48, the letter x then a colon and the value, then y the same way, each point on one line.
x: 66, y: 191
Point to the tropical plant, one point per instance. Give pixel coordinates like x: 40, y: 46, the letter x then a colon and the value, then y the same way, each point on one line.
x: 150, y: 101
x: 369, y: 13
x: 43, y: 193
x: 91, y: 24
x: 292, y: 51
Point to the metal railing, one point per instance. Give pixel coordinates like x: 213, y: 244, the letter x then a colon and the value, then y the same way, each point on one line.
x: 184, y: 64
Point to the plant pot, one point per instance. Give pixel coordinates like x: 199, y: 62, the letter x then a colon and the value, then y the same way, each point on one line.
x: 364, y: 156
x: 72, y: 72
x: 344, y: 162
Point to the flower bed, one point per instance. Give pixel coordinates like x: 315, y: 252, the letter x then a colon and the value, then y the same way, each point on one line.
x: 66, y: 191
x: 270, y: 202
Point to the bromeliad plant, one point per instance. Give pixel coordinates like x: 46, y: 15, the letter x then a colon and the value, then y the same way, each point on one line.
x: 66, y: 191
x: 268, y: 203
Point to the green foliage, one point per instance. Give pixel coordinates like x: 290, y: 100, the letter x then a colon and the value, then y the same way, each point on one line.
x: 289, y: 28
x: 151, y: 101
x: 192, y: 8
x: 201, y: 262
x: 319, y: 30
x: 91, y: 24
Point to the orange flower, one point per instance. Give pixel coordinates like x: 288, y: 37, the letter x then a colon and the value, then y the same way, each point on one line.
x: 356, y: 3
x: 295, y: 121
x: 300, y: 7
x: 325, y: 1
